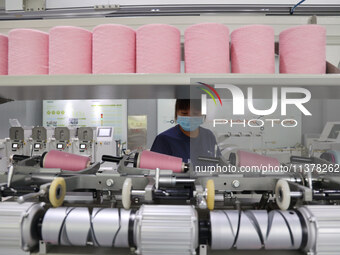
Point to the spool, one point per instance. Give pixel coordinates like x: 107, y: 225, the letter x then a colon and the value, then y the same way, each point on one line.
x: 3, y: 55
x: 65, y: 161
x: 114, y: 49
x: 253, y: 50
x: 57, y: 192
x: 70, y: 50
x: 248, y: 159
x: 206, y: 48
x: 27, y: 52
x: 158, y: 49
x: 303, y: 50
x: 153, y: 160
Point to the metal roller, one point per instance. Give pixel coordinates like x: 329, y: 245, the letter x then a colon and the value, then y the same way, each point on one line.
x: 170, y: 229
x: 252, y: 230
x: 19, y: 231
x: 105, y: 227
x: 110, y: 227
x: 76, y: 228
x: 53, y: 223
x: 166, y: 229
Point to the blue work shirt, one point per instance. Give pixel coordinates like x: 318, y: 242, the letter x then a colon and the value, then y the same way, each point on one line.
x: 175, y: 143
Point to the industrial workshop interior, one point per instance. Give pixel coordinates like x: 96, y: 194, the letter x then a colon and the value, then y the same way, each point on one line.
x: 171, y: 127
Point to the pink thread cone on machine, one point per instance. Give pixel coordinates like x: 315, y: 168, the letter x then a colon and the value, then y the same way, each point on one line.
x: 65, y: 161
x: 153, y: 160
x: 253, y: 159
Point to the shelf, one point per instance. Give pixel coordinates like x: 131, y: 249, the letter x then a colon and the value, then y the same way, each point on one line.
x: 143, y: 86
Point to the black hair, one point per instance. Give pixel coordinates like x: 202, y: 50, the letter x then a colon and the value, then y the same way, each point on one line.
x: 187, y: 104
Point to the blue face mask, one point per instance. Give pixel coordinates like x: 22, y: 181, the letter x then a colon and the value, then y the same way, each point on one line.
x: 190, y: 123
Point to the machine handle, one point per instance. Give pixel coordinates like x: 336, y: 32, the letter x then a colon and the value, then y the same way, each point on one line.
x: 296, y: 159
x: 111, y: 158
x: 16, y: 157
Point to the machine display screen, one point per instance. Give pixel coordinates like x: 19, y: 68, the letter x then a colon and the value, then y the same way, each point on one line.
x: 82, y: 146
x: 59, y: 146
x: 104, y: 132
x: 37, y: 146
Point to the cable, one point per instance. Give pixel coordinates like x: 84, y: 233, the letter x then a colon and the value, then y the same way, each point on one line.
x: 293, y: 9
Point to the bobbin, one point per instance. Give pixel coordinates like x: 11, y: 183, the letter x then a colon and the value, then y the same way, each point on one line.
x: 62, y: 156
x: 137, y: 161
x: 241, y: 158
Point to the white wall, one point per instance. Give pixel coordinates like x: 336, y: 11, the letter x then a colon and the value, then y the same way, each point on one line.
x: 29, y: 113
x: 333, y: 54
x: 145, y: 107
x: 322, y: 112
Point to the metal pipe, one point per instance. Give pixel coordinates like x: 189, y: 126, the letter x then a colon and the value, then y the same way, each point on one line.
x: 137, y: 192
x: 209, y: 159
x: 185, y: 180
x: 297, y: 194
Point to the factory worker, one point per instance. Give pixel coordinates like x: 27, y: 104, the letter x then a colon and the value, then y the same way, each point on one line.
x: 187, y: 139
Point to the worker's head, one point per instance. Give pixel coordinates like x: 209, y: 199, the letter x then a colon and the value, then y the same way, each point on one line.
x: 188, y: 113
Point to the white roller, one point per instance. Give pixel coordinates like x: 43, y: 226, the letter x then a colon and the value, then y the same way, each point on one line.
x: 126, y: 193
x: 282, y: 194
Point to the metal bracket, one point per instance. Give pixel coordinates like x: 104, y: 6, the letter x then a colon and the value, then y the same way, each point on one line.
x: 313, y: 20
x: 34, y: 5
x: 203, y: 249
x: 307, y: 192
x: 148, y: 190
x: 42, y: 247
x: 107, y: 7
